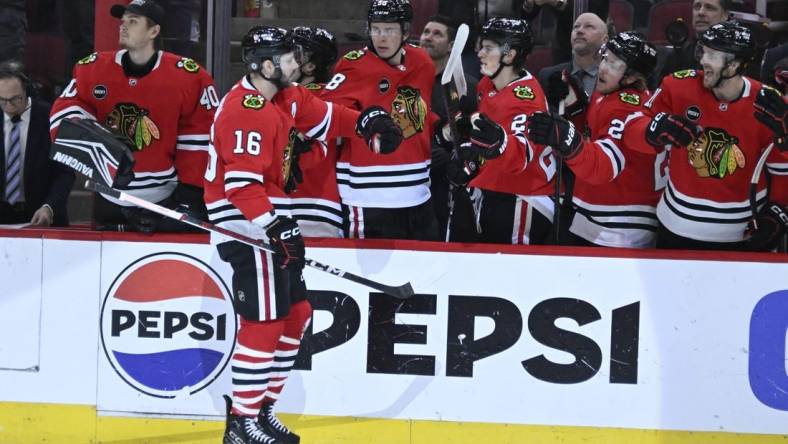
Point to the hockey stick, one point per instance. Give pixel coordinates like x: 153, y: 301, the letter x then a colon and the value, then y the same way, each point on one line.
x: 559, y: 167
x: 400, y: 292
x: 756, y: 177
x: 454, y: 70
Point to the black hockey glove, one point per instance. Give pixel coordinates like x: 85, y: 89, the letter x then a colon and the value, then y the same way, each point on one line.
x: 488, y: 139
x: 671, y: 129
x: 556, y: 89
x: 561, y: 86
x: 382, y: 134
x: 141, y: 220
x: 772, y: 224
x: 559, y: 133
x: 287, y: 242
x: 296, y: 175
x: 462, y: 169
x: 772, y: 111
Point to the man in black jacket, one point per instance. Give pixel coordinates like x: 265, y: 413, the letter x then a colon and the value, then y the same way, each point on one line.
x: 33, y: 189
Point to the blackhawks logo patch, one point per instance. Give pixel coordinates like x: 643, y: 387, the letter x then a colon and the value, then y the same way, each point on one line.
x: 188, y: 65
x: 632, y: 99
x: 89, y: 59
x: 354, y: 55
x: 253, y: 101
x: 685, y: 73
x: 524, y: 92
x: 409, y: 111
x: 133, y: 123
x: 716, y: 154
x: 313, y: 86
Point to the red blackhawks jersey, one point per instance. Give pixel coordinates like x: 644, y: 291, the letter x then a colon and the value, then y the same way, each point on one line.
x: 400, y: 179
x: 251, y: 149
x: 525, y: 168
x: 707, y: 193
x: 618, y: 175
x: 165, y: 115
x: 315, y: 203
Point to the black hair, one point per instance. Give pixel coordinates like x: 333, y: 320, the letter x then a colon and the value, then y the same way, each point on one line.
x: 450, y: 24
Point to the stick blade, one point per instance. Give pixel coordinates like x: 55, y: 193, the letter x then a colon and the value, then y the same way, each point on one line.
x: 404, y: 291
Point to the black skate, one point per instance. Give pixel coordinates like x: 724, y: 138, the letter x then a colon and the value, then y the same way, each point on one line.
x: 271, y: 425
x: 244, y: 430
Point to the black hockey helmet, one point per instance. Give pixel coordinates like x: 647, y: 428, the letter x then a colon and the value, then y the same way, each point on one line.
x: 317, y: 44
x: 635, y: 50
x: 509, y: 33
x: 731, y: 37
x: 265, y: 43
x: 390, y: 11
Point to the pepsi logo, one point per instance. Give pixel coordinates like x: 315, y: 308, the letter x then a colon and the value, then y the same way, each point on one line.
x: 168, y: 325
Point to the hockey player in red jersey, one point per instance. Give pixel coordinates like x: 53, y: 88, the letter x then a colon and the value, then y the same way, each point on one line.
x: 315, y: 203
x: 619, y: 177
x: 387, y: 194
x: 161, y: 103
x: 514, y: 175
x: 251, y: 159
x: 706, y: 202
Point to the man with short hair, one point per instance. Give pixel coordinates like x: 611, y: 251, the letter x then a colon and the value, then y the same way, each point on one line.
x: 705, y: 14
x: 589, y: 33
x: 706, y: 121
x: 438, y: 40
x: 160, y: 103
x: 387, y: 194
x: 251, y: 160
x: 33, y: 189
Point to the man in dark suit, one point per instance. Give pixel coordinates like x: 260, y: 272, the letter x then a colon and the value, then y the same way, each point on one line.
x: 33, y: 189
x: 589, y: 33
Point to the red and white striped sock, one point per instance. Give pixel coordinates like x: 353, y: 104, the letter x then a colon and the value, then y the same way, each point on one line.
x: 287, y: 348
x: 252, y: 364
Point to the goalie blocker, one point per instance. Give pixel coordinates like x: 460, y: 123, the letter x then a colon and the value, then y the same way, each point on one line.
x: 101, y: 155
x: 93, y: 151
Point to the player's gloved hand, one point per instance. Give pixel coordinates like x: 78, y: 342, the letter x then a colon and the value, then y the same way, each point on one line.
x: 488, y: 139
x: 382, y: 134
x: 556, y: 89
x: 462, y: 169
x: 772, y: 224
x: 772, y: 111
x: 443, y: 134
x: 141, y: 220
x: 300, y: 146
x: 671, y: 129
x: 561, y: 86
x: 553, y: 130
x: 287, y: 242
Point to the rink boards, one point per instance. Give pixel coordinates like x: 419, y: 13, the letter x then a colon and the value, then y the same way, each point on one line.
x: 126, y: 338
